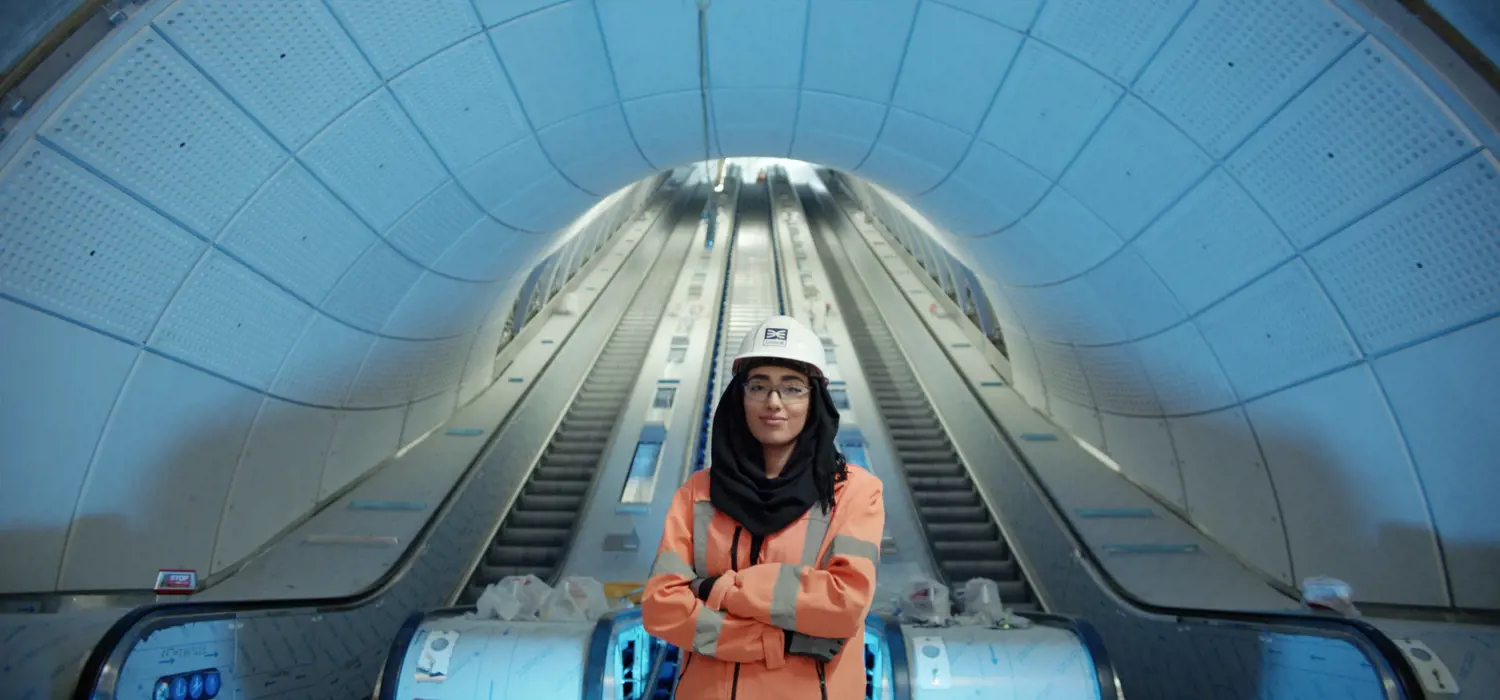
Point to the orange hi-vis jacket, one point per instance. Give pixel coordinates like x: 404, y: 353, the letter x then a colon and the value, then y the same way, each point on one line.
x: 815, y: 576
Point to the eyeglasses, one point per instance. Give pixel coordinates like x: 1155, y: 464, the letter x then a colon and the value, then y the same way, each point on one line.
x: 791, y: 393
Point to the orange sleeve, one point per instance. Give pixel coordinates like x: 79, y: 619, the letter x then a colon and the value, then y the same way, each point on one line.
x: 671, y: 612
x: 828, y: 601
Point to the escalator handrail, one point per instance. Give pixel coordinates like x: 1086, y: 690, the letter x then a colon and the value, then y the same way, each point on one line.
x: 390, y: 671
x: 1093, y: 643
x: 102, y: 666
x: 895, y: 643
x: 700, y: 453
x: 775, y: 246
x: 1391, y: 666
x: 596, y: 667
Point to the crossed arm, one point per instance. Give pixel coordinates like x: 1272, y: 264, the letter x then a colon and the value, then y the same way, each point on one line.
x: 748, y: 614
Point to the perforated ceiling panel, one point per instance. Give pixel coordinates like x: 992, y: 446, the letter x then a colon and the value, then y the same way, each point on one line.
x: 72, y: 244
x: 1191, y: 205
x: 152, y: 123
x: 286, y: 62
x: 1212, y: 241
x: 953, y: 66
x: 1115, y: 38
x: 1058, y: 240
x: 770, y: 30
x: 1363, y: 131
x: 300, y: 233
x: 397, y: 34
x: 376, y: 160
x: 914, y: 153
x: 1424, y: 263
x: 461, y: 100
x: 1048, y: 107
x: 855, y: 48
x: 431, y: 227
x: 232, y: 321
x: 1134, y: 167
x: 1232, y: 64
x: 1278, y: 331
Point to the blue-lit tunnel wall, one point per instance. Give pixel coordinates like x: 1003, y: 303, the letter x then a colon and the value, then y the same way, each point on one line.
x: 1248, y: 249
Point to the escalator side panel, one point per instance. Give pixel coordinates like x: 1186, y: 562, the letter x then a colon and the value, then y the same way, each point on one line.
x: 952, y: 513
x: 1155, y: 656
x: 334, y: 648
x: 535, y: 535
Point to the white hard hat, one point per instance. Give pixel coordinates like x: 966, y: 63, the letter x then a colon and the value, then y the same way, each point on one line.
x: 784, y: 338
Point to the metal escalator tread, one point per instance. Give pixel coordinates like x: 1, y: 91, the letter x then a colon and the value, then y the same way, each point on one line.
x: 534, y: 537
x: 964, y: 539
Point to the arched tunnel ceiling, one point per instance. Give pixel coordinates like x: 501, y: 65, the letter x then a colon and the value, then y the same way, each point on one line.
x: 1255, y: 237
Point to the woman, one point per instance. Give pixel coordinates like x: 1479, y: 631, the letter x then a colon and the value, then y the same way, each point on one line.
x: 766, y: 568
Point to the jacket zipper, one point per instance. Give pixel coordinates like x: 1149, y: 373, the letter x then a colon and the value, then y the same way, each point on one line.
x: 734, y: 565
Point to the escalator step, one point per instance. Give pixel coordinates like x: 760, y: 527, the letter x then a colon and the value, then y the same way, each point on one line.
x: 532, y: 536
x: 592, y: 419
x: 965, y: 497
x: 548, y: 487
x: 941, y: 483
x: 991, y: 550
x: 534, y: 501
x: 954, y: 514
x: 597, y: 404
x: 925, y: 433
x: 547, y: 472
x: 945, y: 532
x: 934, y: 469
x: 925, y: 456
x: 934, y: 444
x: 523, y: 556
x: 577, y: 433
x: 562, y: 519
x: 495, y: 574
x: 999, y: 571
x: 564, y: 445
x: 586, y: 460
x: 908, y: 413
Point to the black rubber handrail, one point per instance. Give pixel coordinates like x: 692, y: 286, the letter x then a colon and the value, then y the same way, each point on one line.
x: 700, y: 450
x: 895, y: 647
x: 390, y: 671
x: 1390, y: 663
x: 597, y: 666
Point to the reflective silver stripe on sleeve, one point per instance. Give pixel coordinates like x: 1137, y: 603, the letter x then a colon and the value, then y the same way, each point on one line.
x: 703, y: 514
x: 851, y: 546
x: 706, y: 629
x: 670, y: 562
x: 784, y: 597
x: 817, y: 529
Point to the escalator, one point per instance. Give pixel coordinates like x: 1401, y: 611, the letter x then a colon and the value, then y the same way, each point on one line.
x: 536, y: 533
x: 965, y: 541
x: 753, y: 284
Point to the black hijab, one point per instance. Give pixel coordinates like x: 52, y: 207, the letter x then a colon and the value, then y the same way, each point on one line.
x: 738, y: 485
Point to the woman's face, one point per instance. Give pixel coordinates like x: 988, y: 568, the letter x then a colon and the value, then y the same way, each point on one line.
x: 776, y: 401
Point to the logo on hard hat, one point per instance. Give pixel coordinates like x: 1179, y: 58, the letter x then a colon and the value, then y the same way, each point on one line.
x: 775, y: 336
